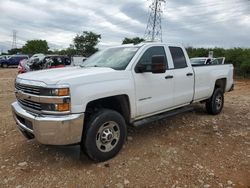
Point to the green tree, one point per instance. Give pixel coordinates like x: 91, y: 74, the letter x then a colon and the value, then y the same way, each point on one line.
x: 219, y: 52
x: 135, y: 40
x: 15, y: 51
x: 35, y: 46
x: 70, y: 51
x: 85, y: 43
x: 197, y: 52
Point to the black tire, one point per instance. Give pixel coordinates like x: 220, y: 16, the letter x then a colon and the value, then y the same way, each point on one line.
x: 5, y: 65
x: 215, y: 104
x: 100, y: 137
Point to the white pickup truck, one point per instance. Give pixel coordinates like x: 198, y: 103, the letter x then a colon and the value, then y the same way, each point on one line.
x: 93, y: 104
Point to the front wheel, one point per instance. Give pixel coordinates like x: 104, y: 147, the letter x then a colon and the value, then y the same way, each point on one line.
x: 215, y: 104
x: 104, y: 135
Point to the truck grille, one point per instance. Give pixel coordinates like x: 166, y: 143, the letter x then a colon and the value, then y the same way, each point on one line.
x: 28, y: 89
x: 30, y: 104
x: 38, y: 98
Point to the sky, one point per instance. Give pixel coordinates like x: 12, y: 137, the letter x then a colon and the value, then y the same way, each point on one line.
x: 197, y: 23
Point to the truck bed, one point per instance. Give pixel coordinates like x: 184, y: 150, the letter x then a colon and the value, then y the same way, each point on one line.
x: 206, y: 76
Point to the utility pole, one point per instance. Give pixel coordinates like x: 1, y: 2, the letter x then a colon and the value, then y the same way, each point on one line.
x: 14, y: 39
x: 153, y: 30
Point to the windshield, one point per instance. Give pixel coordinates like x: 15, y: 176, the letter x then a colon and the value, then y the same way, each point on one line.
x: 198, y: 61
x: 115, y: 58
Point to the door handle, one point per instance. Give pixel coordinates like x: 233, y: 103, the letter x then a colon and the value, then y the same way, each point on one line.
x: 169, y: 77
x: 189, y: 74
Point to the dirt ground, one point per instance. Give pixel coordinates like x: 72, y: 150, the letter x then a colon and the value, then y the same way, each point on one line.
x: 189, y: 150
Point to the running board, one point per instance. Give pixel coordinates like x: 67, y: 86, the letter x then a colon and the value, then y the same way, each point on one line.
x: 164, y: 115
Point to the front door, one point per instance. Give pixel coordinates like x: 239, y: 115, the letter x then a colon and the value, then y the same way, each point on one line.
x: 154, y: 92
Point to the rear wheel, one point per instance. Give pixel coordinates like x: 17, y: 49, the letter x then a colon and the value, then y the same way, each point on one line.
x: 215, y: 104
x: 104, y: 135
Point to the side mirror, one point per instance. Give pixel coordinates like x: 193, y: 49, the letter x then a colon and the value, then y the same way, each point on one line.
x: 158, y: 64
x: 140, y: 68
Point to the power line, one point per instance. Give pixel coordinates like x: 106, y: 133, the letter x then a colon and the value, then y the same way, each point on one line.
x: 153, y: 30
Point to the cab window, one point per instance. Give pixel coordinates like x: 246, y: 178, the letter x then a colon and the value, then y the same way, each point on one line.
x: 178, y: 56
x: 146, y: 58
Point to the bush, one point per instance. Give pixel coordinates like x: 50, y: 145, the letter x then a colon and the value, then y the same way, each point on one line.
x: 244, y: 68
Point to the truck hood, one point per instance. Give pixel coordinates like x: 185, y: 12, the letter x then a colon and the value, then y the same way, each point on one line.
x: 65, y: 75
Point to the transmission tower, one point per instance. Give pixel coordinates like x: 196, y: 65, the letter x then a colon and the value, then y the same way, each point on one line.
x: 14, y: 39
x: 153, y: 30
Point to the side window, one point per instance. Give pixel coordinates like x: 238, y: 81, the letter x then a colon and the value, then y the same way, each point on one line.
x: 178, y: 56
x: 146, y: 58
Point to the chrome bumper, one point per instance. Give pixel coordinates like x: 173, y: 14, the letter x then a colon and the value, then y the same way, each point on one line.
x: 51, y: 130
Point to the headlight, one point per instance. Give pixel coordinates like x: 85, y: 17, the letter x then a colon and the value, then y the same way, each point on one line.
x: 64, y: 107
x: 55, y: 92
x: 60, y: 92
x: 59, y: 99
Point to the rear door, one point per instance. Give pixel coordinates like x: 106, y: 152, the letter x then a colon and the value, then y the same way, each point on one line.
x: 183, y: 77
x: 154, y: 92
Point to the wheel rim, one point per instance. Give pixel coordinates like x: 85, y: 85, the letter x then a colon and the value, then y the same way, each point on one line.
x: 107, y: 136
x: 218, y: 102
x: 5, y: 65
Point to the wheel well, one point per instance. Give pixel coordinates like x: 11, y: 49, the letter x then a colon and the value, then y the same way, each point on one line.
x: 221, y: 83
x: 119, y: 103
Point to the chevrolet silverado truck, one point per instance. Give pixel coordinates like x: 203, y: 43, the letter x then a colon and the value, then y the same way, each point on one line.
x: 93, y: 104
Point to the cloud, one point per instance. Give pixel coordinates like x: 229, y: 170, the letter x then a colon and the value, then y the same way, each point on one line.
x: 209, y: 23
x: 196, y: 23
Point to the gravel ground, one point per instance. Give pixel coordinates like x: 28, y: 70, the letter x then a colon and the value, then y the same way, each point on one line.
x: 190, y: 150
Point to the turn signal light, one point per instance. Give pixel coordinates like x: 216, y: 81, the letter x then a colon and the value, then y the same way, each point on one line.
x: 63, y: 92
x: 63, y: 107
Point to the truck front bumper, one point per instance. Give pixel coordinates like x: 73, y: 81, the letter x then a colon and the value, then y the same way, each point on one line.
x: 47, y: 129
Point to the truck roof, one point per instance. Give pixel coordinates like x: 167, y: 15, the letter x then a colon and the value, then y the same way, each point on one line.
x: 146, y: 43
